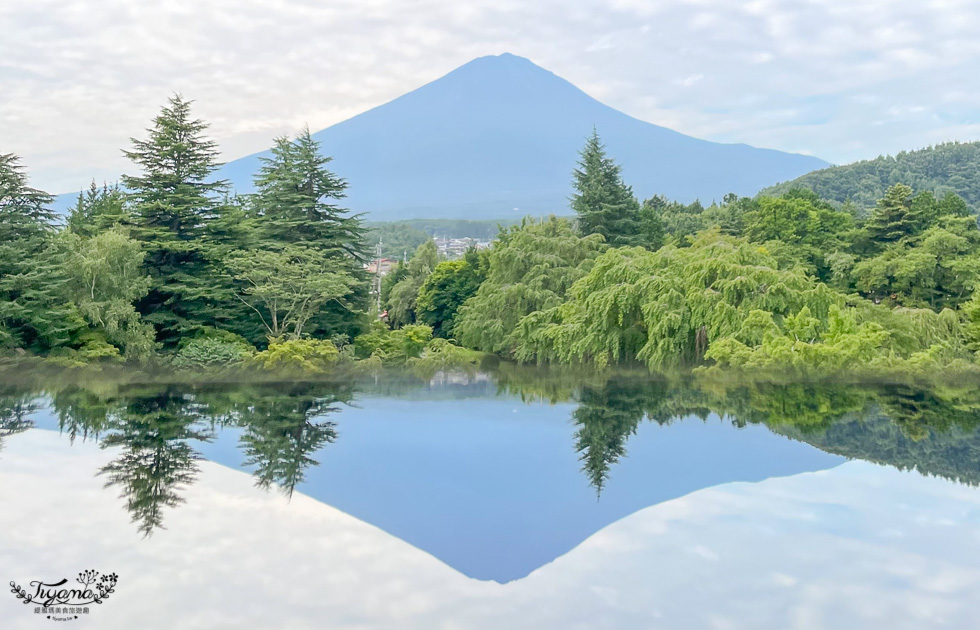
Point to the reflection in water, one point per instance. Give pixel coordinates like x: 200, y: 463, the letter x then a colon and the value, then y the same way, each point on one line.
x: 16, y: 410
x: 283, y: 429
x: 154, y: 433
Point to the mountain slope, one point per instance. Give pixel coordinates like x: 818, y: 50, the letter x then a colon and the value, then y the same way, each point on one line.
x: 950, y: 167
x: 501, y: 133
x: 499, y: 136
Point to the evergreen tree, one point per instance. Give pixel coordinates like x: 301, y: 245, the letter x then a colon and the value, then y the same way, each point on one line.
x: 34, y: 313
x: 605, y: 204
x: 295, y: 205
x: 895, y: 217
x: 99, y: 209
x: 173, y: 200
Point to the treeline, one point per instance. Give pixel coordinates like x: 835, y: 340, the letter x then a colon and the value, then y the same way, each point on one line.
x: 788, y: 284
x: 944, y: 168
x: 173, y: 268
x: 171, y: 262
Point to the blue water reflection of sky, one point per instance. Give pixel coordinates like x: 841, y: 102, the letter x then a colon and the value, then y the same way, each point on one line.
x: 855, y: 546
x: 493, y: 487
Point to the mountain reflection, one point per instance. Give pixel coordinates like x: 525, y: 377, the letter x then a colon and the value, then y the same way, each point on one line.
x: 157, y: 433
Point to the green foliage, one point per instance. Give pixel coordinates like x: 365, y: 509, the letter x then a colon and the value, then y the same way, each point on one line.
x: 393, y: 346
x: 173, y: 199
x: 666, y: 308
x: 212, y: 348
x: 921, y: 252
x: 397, y: 239
x: 296, y: 204
x: 605, y: 205
x: 106, y: 276
x: 99, y: 209
x: 530, y: 268
x: 298, y: 355
x: 287, y: 288
x: 403, y: 295
x: 941, y: 169
x: 34, y: 313
x: 451, y: 283
x: 682, y: 222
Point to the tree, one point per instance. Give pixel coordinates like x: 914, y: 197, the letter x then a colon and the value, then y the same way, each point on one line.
x: 530, y: 267
x: 893, y: 218
x: 295, y: 205
x: 106, y: 276
x: 666, y: 308
x: 451, y: 283
x: 154, y: 434
x: 286, y: 288
x: 34, y: 313
x: 403, y: 295
x: 283, y: 431
x: 174, y: 198
x: 99, y: 209
x: 605, y: 205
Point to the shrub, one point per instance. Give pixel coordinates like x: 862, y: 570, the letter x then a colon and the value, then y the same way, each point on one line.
x: 299, y: 355
x: 394, y: 346
x: 213, y: 349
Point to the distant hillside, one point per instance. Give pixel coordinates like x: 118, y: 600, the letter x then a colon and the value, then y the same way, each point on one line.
x: 950, y: 167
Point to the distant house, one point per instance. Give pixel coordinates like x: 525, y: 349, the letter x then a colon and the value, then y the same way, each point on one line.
x: 455, y: 247
x: 380, y: 266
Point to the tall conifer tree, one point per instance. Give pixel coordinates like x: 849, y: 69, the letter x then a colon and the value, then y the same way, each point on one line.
x: 174, y: 197
x: 296, y: 205
x: 604, y: 203
x: 34, y: 313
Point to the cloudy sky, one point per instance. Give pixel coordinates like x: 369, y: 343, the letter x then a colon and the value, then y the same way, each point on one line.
x: 839, y: 79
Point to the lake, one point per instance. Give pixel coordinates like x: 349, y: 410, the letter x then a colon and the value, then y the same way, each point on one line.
x: 505, y: 499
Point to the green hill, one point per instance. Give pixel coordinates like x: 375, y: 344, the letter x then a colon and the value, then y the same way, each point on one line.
x: 951, y: 167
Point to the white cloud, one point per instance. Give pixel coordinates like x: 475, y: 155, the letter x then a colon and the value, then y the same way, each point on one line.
x: 79, y: 78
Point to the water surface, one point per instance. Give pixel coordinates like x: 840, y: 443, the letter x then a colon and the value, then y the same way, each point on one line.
x: 493, y: 501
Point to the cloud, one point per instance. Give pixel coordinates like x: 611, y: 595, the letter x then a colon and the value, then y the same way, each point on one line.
x: 78, y: 79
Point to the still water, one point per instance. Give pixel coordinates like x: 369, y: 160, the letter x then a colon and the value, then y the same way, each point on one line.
x: 493, y: 501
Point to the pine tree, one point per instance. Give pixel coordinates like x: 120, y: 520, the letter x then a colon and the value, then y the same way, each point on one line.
x: 893, y: 218
x: 33, y: 309
x: 173, y: 199
x: 98, y: 210
x: 605, y: 204
x: 295, y: 205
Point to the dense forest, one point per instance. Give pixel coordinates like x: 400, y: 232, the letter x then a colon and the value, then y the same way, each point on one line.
x: 170, y: 269
x: 945, y: 168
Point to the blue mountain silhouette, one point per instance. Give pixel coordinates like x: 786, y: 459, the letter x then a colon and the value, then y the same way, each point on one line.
x: 499, y: 137
x: 500, y: 133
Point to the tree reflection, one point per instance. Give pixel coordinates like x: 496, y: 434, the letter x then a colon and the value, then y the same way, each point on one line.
x: 15, y: 414
x: 606, y: 417
x: 154, y: 432
x: 283, y: 429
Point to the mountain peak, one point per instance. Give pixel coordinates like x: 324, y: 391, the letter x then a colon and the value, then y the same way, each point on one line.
x: 500, y: 135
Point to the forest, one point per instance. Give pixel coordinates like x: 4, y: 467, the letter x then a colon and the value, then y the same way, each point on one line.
x: 171, y: 270
x: 940, y: 169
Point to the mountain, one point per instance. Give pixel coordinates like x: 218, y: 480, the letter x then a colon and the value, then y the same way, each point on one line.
x: 950, y: 167
x: 499, y: 137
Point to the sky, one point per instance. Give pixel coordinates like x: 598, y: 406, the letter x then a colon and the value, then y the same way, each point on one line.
x: 839, y: 79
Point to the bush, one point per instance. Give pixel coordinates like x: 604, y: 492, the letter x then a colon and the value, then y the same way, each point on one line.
x: 393, y: 346
x: 299, y: 355
x: 213, y: 348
